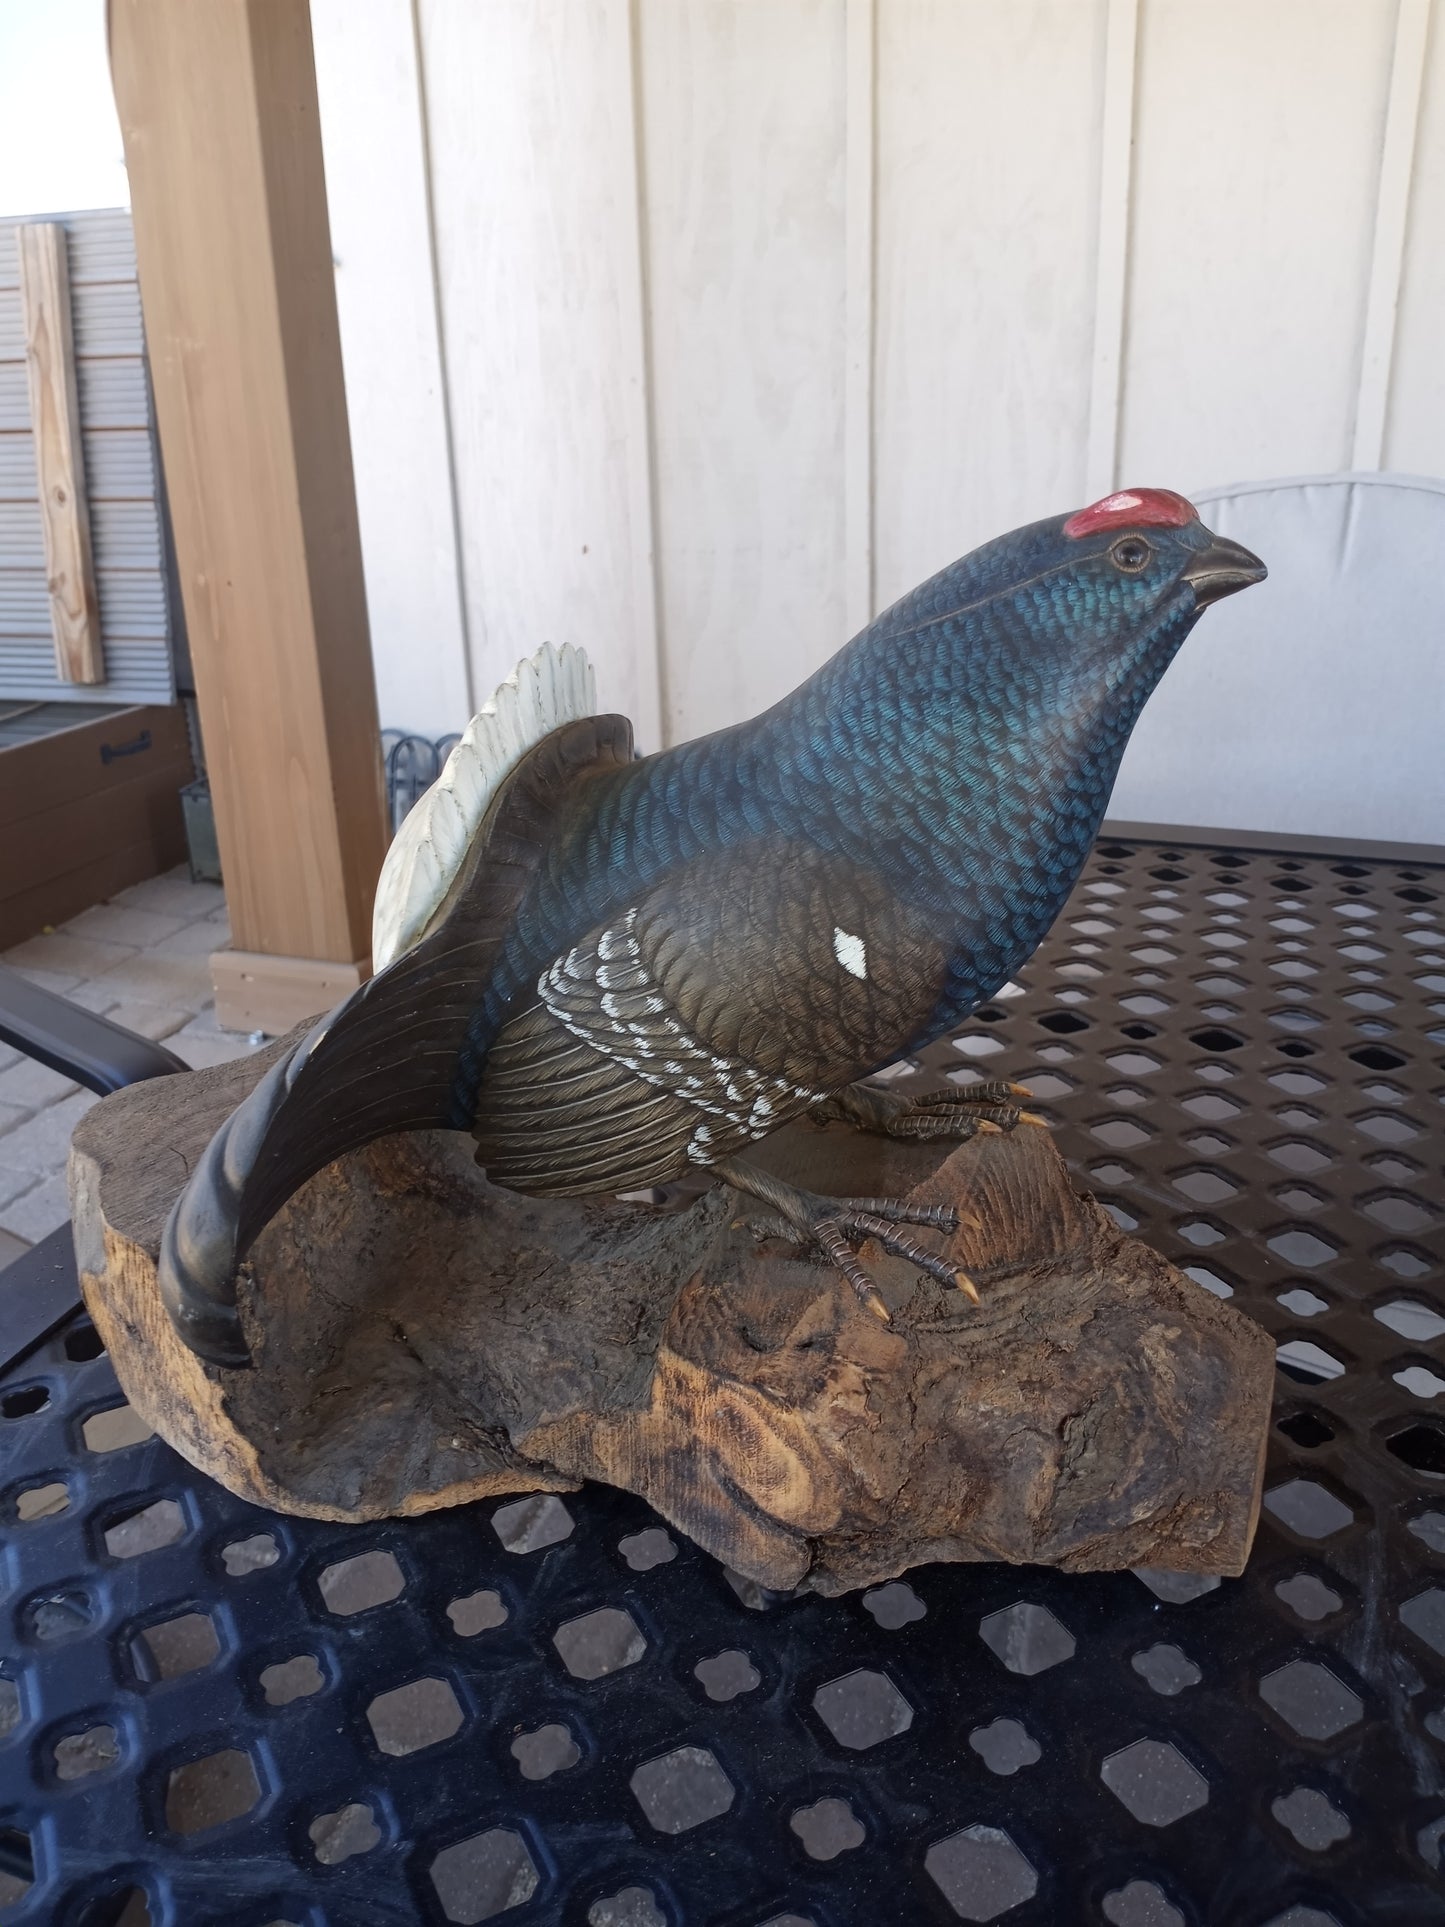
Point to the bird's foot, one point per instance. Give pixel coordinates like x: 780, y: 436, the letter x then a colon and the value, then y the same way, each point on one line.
x: 834, y: 1224
x: 958, y: 1112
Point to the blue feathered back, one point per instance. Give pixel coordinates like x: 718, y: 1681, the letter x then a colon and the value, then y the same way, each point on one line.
x: 965, y: 744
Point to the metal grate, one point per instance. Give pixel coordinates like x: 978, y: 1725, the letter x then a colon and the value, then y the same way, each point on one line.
x: 411, y: 765
x: 556, y: 1710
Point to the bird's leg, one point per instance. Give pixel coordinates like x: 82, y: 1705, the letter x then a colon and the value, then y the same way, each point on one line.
x: 960, y: 1112
x: 831, y: 1222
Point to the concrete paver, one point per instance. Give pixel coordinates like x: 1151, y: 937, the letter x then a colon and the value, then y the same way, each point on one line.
x: 174, y: 895
x: 67, y: 955
x: 157, y: 1021
x: 36, y: 1212
x: 32, y: 1086
x: 125, y: 923
x: 142, y: 961
x: 41, y: 1143
x: 161, y: 980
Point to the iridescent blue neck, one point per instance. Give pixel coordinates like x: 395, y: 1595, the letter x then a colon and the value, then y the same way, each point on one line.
x: 938, y: 756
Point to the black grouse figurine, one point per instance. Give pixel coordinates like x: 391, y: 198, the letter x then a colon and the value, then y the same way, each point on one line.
x: 611, y: 969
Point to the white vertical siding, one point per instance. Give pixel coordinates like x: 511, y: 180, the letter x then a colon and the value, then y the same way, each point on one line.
x: 534, y: 183
x: 987, y: 219
x: 743, y: 142
x: 1415, y: 410
x: 1392, y: 212
x: 755, y: 312
x: 369, y: 85
x: 1256, y: 168
x: 1117, y: 114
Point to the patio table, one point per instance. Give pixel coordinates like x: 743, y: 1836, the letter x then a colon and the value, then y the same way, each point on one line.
x: 556, y: 1709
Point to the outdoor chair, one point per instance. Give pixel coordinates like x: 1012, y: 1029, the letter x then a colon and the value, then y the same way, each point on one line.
x: 39, y: 1290
x: 1311, y: 705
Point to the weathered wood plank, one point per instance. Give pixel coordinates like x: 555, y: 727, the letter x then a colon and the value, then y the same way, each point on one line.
x: 422, y: 1338
x: 60, y: 460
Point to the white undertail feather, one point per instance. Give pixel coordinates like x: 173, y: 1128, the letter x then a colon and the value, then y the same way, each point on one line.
x: 553, y: 687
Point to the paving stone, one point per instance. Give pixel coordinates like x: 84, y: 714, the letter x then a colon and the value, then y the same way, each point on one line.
x: 193, y: 940
x: 14, y: 1182
x: 124, y: 923
x: 30, y: 1086
x: 201, y: 1052
x: 98, y: 996
x: 62, y: 982
x: 174, y: 895
x: 203, y: 1024
x: 149, y: 1020
x: 142, y: 960
x: 11, y: 1248
x: 42, y: 1143
x: 38, y: 1211
x: 161, y: 980
x: 68, y: 956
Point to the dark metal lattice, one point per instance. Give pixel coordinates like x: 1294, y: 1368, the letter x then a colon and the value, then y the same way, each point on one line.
x: 411, y: 764
x: 555, y: 1711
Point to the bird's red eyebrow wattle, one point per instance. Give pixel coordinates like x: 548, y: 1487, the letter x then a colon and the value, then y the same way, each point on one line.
x: 1140, y: 508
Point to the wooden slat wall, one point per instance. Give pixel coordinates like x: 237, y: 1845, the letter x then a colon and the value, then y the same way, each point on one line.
x: 119, y: 473
x: 1255, y: 185
x: 378, y: 197
x: 753, y: 312
x: 536, y: 200
x: 987, y: 242
x: 743, y: 137
x: 1415, y: 393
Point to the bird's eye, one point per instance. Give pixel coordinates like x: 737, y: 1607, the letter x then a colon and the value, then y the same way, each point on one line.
x: 1131, y: 553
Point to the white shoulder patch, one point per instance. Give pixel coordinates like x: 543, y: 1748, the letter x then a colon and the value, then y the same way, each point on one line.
x: 851, y: 952
x: 553, y: 687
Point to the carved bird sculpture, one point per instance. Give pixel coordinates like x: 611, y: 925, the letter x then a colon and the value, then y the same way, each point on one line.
x: 611, y: 969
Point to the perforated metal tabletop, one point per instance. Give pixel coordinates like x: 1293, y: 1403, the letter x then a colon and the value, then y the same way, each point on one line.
x: 557, y: 1710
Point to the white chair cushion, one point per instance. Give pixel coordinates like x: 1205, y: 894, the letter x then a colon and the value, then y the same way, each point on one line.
x: 1313, y: 704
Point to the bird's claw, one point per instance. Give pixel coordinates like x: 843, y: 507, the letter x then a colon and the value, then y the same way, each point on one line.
x: 834, y: 1224
x: 988, y: 1091
x: 880, y: 1219
x: 953, y: 1112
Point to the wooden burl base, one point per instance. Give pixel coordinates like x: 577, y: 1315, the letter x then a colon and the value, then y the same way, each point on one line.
x: 422, y: 1338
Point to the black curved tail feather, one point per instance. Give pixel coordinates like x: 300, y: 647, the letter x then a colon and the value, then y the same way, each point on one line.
x: 383, y: 1061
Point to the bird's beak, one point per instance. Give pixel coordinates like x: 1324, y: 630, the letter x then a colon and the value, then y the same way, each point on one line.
x: 1221, y: 569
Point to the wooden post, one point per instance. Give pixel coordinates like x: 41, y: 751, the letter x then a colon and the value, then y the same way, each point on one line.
x: 59, y: 458
x: 222, y: 140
